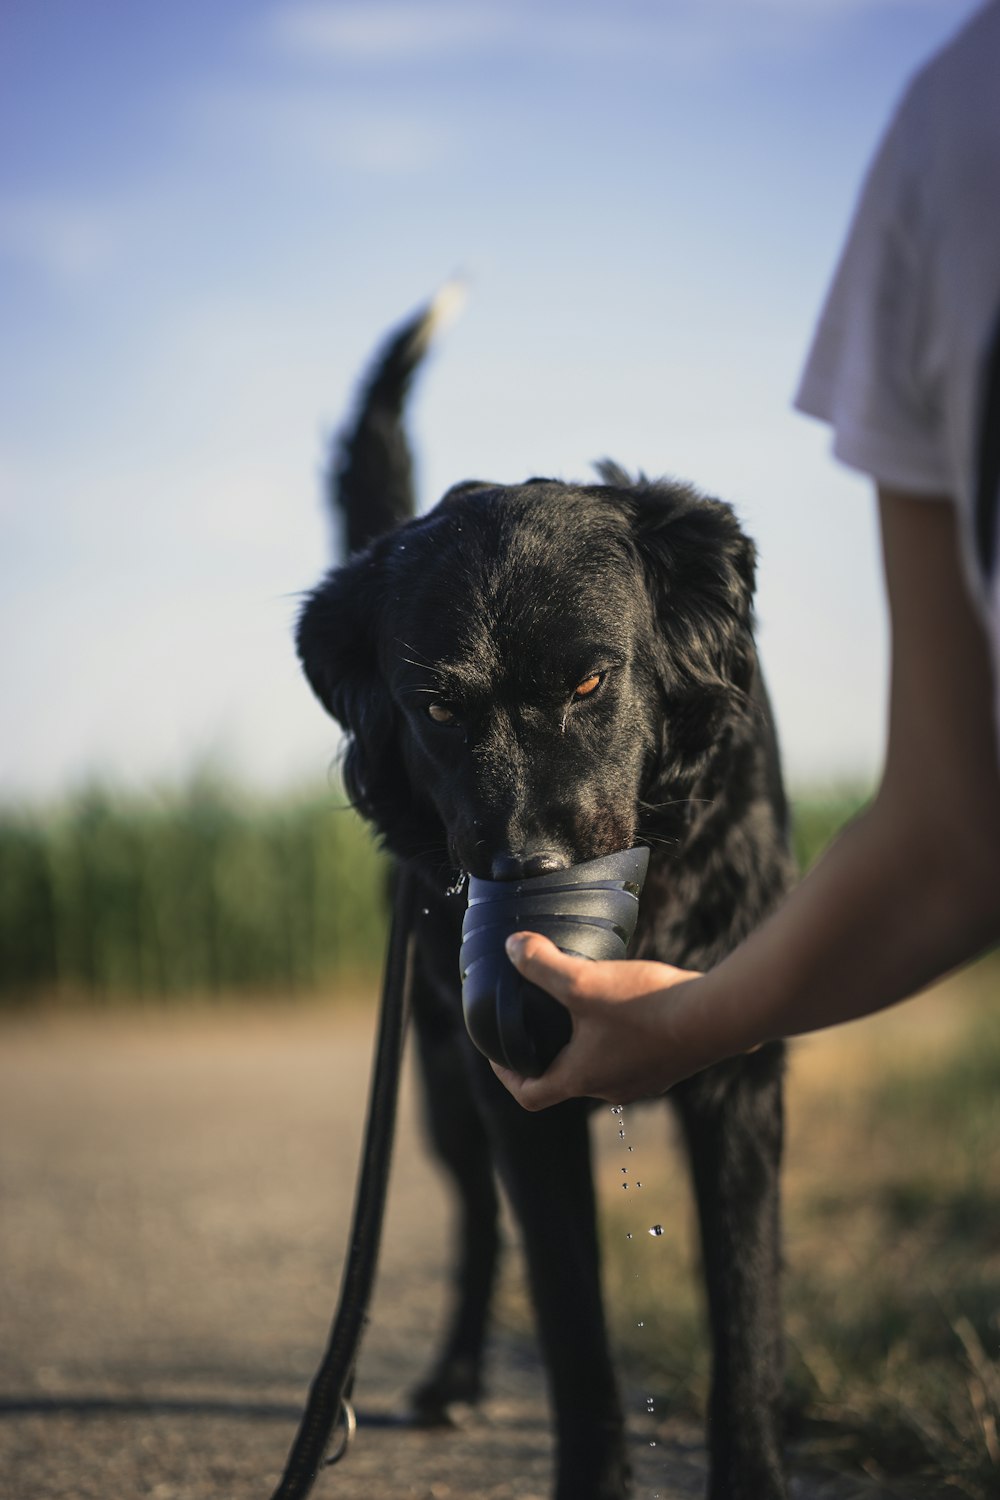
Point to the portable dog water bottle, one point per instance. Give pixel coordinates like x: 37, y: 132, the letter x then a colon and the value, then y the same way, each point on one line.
x: 589, y: 910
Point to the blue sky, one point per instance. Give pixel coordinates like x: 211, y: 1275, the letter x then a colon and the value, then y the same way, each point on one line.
x: 210, y: 213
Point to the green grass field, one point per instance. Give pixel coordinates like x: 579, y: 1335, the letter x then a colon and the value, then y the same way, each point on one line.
x: 196, y: 890
x: 202, y: 889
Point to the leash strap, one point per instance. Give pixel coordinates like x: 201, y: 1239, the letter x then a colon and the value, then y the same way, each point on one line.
x: 327, y: 1402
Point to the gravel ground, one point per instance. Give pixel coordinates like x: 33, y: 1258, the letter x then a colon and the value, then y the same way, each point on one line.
x: 176, y: 1194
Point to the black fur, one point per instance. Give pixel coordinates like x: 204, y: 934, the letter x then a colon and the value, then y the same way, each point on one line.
x: 494, y: 608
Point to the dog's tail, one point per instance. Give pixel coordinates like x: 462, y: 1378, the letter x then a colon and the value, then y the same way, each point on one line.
x: 370, y: 484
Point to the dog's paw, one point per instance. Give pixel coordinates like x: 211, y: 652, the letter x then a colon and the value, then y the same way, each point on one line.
x: 445, y: 1398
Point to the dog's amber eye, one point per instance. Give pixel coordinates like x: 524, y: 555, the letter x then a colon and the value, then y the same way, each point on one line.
x: 440, y: 713
x: 588, y: 685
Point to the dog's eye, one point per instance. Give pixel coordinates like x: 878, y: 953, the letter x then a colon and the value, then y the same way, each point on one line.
x: 440, y: 713
x: 588, y: 685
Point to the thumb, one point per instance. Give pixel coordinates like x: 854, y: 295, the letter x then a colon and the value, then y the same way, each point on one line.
x: 540, y: 961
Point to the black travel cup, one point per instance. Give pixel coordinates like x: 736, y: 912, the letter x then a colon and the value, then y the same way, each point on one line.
x: 589, y: 910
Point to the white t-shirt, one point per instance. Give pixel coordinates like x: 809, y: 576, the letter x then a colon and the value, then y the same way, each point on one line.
x: 901, y: 357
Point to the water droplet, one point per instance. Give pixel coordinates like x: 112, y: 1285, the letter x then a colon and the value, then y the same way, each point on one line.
x: 621, y: 1135
x: 630, y: 1148
x: 652, y: 1442
x: 640, y: 1325
x: 656, y: 1229
x: 628, y: 1236
x: 616, y: 1109
x: 638, y: 1184
x: 425, y: 911
x: 625, y: 1186
x: 624, y: 1169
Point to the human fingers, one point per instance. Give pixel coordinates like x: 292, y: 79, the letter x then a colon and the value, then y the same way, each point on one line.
x: 532, y: 1094
x: 539, y: 960
x: 581, y: 984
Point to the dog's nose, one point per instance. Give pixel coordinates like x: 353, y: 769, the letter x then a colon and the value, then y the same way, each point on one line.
x: 522, y: 865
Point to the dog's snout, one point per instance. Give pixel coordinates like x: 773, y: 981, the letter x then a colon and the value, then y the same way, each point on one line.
x: 522, y: 865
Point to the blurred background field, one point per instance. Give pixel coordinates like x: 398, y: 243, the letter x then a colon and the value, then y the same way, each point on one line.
x: 197, y: 890
x: 200, y: 894
x: 200, y: 889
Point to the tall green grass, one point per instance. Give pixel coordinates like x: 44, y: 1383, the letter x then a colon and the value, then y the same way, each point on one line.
x: 198, y: 889
x: 201, y: 888
x: 818, y: 816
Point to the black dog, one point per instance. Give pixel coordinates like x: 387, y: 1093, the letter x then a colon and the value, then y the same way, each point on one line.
x: 531, y: 676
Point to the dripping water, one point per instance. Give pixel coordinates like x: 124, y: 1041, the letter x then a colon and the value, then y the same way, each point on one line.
x: 655, y: 1231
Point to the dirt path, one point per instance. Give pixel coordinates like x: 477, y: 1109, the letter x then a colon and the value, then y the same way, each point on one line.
x: 176, y: 1193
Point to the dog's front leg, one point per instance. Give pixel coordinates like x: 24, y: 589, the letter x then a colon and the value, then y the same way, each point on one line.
x: 733, y: 1127
x: 455, y: 1125
x: 545, y: 1163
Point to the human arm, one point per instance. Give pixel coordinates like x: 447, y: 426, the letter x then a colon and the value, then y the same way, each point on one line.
x: 908, y: 891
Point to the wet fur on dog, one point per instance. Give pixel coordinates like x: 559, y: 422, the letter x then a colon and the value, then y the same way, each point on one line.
x: 530, y: 676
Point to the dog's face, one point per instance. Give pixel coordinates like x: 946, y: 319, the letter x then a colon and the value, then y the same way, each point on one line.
x: 521, y: 669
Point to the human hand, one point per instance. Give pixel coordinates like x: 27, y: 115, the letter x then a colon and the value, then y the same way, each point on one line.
x: 628, y: 1017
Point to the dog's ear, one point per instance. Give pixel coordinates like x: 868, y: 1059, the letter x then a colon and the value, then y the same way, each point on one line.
x: 700, y: 571
x: 461, y: 490
x: 337, y: 640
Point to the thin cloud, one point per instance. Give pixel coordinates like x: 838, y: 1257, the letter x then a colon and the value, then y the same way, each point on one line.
x: 379, y: 31
x: 69, y: 241
x: 312, y: 128
x: 682, y: 32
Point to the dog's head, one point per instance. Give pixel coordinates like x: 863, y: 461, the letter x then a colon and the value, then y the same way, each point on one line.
x: 529, y: 675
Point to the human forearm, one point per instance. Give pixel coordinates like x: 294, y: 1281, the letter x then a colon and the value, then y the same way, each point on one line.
x: 895, y: 902
x: 912, y: 888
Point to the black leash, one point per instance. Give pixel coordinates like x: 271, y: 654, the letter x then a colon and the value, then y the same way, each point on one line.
x: 328, y: 1395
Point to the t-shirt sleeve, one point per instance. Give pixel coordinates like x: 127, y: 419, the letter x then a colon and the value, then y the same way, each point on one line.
x: 869, y: 370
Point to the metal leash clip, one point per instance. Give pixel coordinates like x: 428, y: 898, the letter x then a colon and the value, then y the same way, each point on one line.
x: 349, y: 1425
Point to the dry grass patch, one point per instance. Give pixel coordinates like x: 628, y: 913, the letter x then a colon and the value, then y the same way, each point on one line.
x: 892, y: 1242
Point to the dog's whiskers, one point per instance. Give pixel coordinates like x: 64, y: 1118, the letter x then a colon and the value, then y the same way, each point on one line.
x: 418, y: 659
x: 675, y: 802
